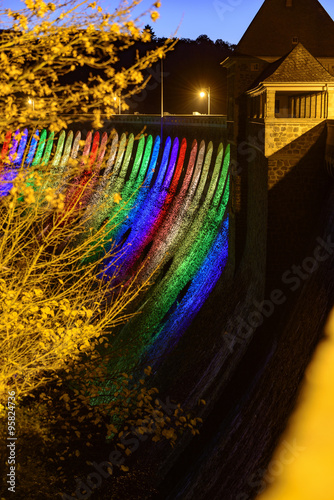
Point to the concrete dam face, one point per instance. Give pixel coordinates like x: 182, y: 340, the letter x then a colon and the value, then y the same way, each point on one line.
x: 170, y: 218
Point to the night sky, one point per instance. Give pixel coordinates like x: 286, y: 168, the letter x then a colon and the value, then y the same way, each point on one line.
x: 225, y: 19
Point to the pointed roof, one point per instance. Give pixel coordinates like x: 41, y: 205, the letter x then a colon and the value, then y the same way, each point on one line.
x: 299, y: 66
x: 278, y: 21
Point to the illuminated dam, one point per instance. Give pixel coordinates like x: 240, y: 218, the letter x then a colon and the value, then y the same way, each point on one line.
x: 172, y: 215
x: 218, y: 323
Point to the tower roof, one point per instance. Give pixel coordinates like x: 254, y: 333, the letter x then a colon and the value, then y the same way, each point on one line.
x: 279, y: 21
x: 299, y: 66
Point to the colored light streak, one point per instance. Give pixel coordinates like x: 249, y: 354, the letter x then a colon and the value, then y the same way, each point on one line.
x: 145, y: 221
x: 119, y: 224
x: 22, y: 147
x: 5, y: 146
x: 9, y: 172
x: 188, y: 256
x: 176, y: 216
x: 36, y: 156
x: 183, y: 311
x: 194, y: 258
x: 14, y: 146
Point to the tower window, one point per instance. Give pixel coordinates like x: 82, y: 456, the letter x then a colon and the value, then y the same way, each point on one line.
x: 295, y: 40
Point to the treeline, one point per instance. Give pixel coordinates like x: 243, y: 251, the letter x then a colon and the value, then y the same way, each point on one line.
x: 192, y: 66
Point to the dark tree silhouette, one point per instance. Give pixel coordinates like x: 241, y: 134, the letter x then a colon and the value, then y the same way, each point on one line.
x: 204, y: 39
x: 149, y: 28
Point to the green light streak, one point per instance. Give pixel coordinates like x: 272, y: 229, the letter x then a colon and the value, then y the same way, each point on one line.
x: 48, y: 149
x: 40, y: 148
x: 187, y: 261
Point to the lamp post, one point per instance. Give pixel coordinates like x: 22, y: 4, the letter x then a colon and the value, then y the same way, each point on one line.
x: 161, y: 97
x: 208, y: 92
x: 119, y: 103
x: 162, y: 89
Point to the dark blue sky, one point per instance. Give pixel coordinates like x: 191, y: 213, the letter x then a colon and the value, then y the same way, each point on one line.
x: 225, y: 19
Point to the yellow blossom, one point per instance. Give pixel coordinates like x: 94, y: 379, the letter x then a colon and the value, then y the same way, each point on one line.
x: 155, y: 15
x: 117, y: 198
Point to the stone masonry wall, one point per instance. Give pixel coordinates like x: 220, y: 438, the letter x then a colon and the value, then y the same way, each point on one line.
x: 283, y: 161
x: 245, y: 75
x: 298, y: 184
x: 280, y: 134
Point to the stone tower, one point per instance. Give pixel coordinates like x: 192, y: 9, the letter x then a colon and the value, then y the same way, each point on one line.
x: 280, y: 106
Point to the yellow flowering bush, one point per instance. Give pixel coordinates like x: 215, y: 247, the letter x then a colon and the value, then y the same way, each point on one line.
x: 56, y: 335
x: 44, y: 44
x: 52, y: 308
x: 55, y: 314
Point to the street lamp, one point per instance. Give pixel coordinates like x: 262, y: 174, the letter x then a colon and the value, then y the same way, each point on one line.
x: 119, y: 103
x: 31, y: 101
x: 208, y: 92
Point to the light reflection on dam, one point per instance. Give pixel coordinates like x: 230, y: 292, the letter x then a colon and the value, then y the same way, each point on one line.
x: 173, y: 210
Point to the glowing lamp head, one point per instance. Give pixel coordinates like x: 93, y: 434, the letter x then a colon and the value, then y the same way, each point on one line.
x: 202, y: 94
x: 29, y: 101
